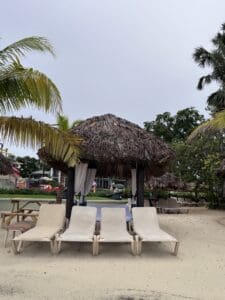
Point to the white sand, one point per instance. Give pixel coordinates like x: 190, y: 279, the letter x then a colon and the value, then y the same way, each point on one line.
x: 197, y: 273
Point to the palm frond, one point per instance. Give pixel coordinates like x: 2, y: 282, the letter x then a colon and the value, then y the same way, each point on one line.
x: 216, y: 101
x: 204, y: 80
x: 19, y: 48
x: 202, y: 57
x: 21, y: 87
x: 30, y: 133
x: 62, y: 122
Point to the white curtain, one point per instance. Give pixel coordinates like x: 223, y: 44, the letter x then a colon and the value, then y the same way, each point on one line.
x: 80, y: 177
x: 90, y: 176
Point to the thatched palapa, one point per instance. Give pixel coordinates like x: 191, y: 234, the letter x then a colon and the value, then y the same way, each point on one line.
x: 114, y: 146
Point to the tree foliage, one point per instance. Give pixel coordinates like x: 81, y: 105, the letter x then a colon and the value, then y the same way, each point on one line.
x: 29, y: 165
x: 175, y: 128
x: 197, y: 162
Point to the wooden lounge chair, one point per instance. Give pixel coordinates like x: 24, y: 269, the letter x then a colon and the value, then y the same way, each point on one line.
x: 171, y: 206
x: 17, y: 227
x: 81, y: 227
x: 51, y: 220
x: 114, y: 228
x: 146, y: 226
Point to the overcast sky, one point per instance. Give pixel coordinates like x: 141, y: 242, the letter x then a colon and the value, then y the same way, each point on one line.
x: 132, y: 58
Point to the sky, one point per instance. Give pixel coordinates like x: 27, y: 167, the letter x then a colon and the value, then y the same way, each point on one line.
x: 131, y: 58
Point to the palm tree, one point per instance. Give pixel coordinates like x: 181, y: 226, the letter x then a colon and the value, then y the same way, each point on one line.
x: 63, y: 123
x: 26, y: 87
x: 216, y: 60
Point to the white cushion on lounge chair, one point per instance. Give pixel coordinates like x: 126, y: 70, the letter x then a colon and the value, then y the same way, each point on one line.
x: 146, y: 225
x: 82, y: 225
x: 50, y: 221
x: 113, y: 225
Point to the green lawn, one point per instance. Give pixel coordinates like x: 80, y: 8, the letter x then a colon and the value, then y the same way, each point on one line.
x: 41, y: 196
x: 8, y: 196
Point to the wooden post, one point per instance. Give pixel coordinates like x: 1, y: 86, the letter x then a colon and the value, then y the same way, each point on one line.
x: 70, y: 191
x: 140, y: 185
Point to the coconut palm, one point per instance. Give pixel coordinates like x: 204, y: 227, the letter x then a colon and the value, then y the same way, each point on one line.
x: 216, y: 60
x: 25, y: 87
x: 63, y: 123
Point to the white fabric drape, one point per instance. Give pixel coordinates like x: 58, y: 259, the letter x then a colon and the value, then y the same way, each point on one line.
x: 80, y: 177
x: 90, y: 176
x: 133, y: 182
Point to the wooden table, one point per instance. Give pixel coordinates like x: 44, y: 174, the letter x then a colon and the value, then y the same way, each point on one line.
x: 22, y: 212
x: 15, y: 203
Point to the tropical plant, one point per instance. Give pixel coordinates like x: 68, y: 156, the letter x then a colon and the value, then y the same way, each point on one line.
x: 63, y: 123
x: 214, y: 59
x: 25, y: 87
x: 197, y: 162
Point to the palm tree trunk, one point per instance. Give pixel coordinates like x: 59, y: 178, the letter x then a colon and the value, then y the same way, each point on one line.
x: 140, y: 185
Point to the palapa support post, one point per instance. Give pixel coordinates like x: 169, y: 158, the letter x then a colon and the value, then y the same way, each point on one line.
x: 140, y: 185
x: 70, y: 191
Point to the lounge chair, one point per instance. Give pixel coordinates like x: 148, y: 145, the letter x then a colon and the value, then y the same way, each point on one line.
x: 146, y: 226
x: 114, y: 228
x: 50, y: 221
x: 81, y: 227
x: 171, y: 206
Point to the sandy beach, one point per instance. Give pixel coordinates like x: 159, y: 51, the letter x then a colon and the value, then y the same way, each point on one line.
x: 198, y: 272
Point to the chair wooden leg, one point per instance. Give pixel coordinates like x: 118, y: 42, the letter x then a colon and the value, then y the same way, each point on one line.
x: 6, y: 238
x: 139, y: 247
x: 20, y: 244
x: 52, y: 247
x: 176, y: 248
x: 133, y: 247
x: 14, y: 247
x: 57, y: 246
x: 95, y: 245
x: 136, y: 239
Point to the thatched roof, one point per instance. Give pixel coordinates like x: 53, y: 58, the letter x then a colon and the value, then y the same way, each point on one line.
x: 221, y: 170
x: 166, y: 181
x: 5, y: 165
x: 115, y: 145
